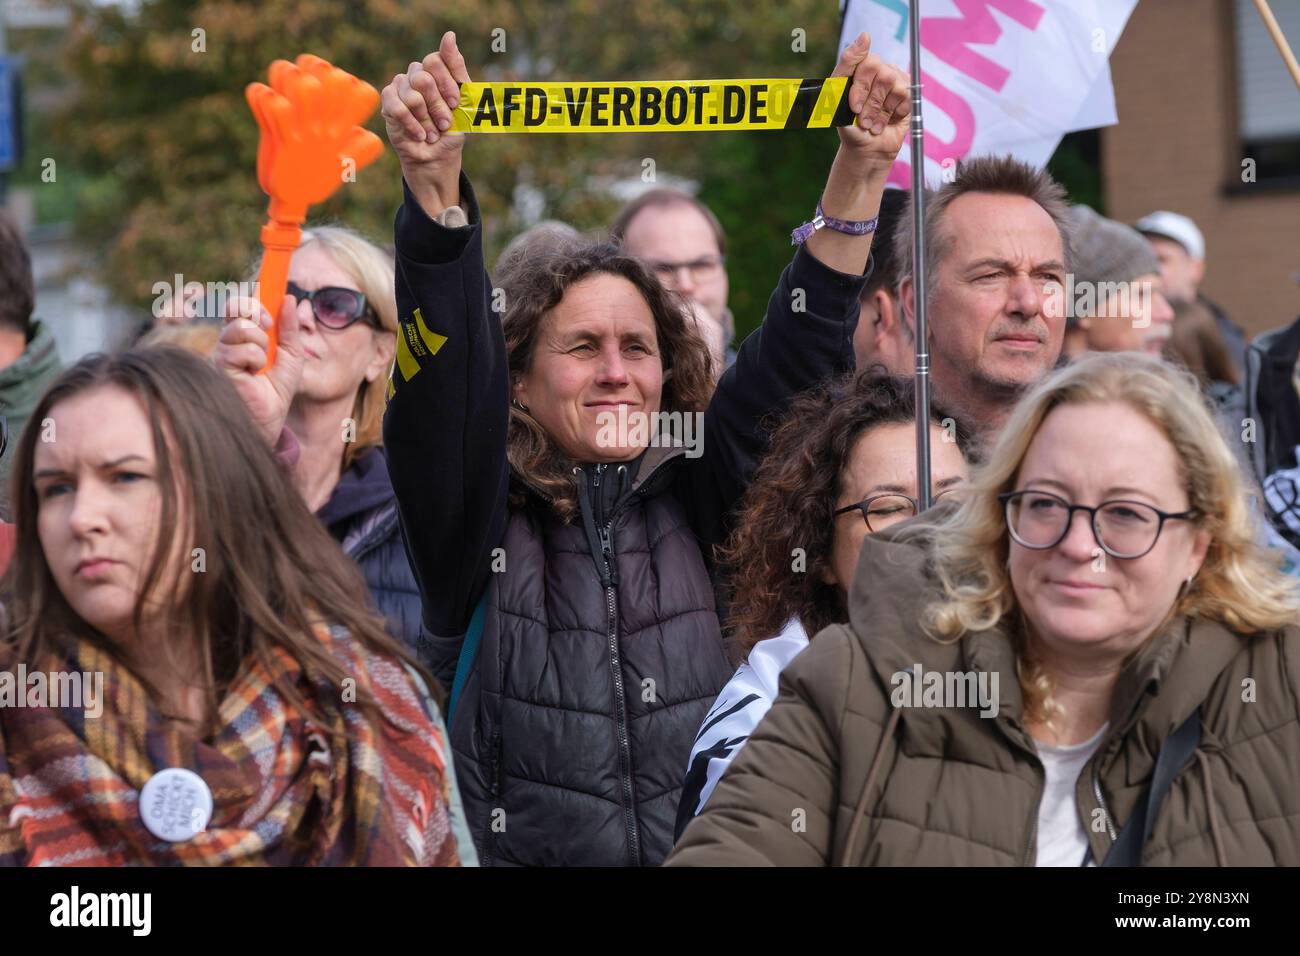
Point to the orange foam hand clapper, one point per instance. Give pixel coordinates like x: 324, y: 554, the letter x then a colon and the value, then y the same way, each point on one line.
x: 311, y: 143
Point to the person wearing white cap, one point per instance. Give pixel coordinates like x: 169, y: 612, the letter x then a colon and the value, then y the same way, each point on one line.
x: 1180, y: 247
x: 1265, y: 412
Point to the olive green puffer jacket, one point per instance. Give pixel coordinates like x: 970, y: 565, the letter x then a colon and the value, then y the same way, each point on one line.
x: 951, y: 788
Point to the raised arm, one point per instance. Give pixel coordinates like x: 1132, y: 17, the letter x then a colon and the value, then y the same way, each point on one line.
x: 807, y: 333
x: 448, y: 406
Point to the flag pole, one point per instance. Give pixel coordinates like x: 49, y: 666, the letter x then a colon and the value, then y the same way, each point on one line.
x: 1275, y: 32
x: 922, y: 380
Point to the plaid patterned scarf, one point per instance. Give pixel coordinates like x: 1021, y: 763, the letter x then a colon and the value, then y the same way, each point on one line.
x: 325, y: 789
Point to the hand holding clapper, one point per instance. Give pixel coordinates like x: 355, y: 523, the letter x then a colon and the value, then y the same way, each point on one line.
x: 311, y: 142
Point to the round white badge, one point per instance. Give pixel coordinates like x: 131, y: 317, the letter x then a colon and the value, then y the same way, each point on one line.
x: 176, y: 804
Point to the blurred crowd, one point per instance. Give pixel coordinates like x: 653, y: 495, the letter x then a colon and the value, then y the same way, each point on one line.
x: 421, y: 593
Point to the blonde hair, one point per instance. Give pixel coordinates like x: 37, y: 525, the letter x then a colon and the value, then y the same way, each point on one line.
x: 1240, y: 583
x: 197, y: 337
x: 372, y: 269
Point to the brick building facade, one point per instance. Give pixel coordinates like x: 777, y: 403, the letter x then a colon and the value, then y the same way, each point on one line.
x: 1180, y: 145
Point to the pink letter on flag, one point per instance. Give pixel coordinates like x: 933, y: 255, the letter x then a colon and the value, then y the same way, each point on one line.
x: 950, y: 37
x: 936, y: 150
x: 999, y: 76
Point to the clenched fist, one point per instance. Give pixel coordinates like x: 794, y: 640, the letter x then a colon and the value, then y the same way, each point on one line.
x: 241, y: 353
x: 879, y: 97
x: 416, y: 107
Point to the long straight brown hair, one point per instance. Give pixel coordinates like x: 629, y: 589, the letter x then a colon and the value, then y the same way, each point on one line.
x: 271, y: 571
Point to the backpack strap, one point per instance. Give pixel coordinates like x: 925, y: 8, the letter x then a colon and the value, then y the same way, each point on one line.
x: 468, y: 654
x: 1176, y: 751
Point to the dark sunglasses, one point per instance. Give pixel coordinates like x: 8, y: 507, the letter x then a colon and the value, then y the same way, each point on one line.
x: 335, y: 307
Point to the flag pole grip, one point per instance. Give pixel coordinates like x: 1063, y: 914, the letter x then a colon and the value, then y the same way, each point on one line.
x: 921, y: 382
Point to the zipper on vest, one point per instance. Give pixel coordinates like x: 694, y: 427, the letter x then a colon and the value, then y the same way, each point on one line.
x: 494, y: 786
x: 1101, y: 800
x: 620, y: 698
x: 596, y: 503
x: 610, y: 580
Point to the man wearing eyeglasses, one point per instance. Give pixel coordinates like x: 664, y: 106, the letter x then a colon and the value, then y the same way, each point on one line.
x: 681, y: 240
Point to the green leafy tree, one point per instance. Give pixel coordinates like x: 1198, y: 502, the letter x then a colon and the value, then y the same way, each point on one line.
x: 158, y: 129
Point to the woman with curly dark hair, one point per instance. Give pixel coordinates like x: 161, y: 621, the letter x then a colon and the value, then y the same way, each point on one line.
x: 842, y: 465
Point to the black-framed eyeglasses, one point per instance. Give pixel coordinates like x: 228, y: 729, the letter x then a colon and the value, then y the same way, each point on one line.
x: 4, y: 434
x: 1124, y: 529
x: 700, y: 269
x: 335, y: 307
x: 882, y: 510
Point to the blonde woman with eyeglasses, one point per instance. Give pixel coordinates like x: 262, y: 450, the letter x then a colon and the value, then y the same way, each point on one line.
x: 322, y: 405
x: 1088, y: 661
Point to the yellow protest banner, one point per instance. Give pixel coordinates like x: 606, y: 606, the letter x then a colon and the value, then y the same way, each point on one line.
x: 658, y: 105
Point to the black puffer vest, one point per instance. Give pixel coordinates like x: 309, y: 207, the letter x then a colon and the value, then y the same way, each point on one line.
x: 362, y: 516
x: 601, y: 654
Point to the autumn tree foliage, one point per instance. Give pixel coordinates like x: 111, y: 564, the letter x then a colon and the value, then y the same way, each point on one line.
x: 159, y: 130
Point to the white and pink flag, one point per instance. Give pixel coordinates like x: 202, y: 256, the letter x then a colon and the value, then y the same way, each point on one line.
x: 999, y: 76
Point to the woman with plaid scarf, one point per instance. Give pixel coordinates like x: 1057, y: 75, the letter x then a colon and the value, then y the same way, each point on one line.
x: 247, y: 707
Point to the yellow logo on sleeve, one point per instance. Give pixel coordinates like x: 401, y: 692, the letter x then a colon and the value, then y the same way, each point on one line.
x: 414, y: 342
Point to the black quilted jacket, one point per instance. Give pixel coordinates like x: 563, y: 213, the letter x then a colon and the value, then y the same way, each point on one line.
x: 362, y: 516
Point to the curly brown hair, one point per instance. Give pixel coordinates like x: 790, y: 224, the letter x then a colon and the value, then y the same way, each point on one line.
x: 536, y: 286
x: 791, y: 501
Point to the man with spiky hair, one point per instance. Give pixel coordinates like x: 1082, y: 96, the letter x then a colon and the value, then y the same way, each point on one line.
x: 997, y: 241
